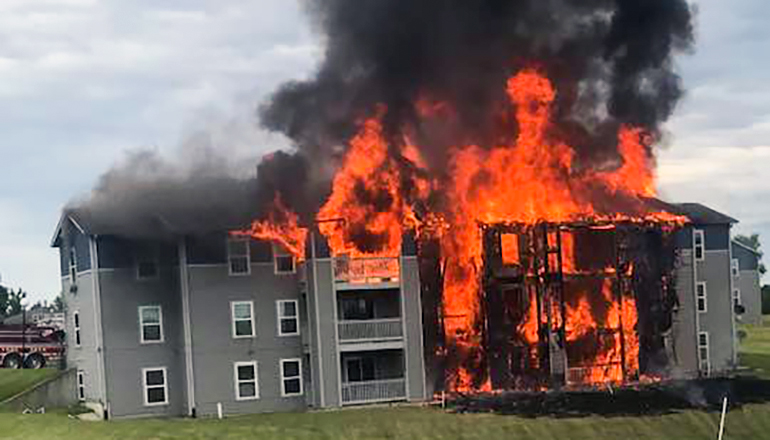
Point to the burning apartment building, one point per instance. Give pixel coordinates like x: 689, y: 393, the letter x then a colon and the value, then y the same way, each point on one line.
x: 469, y: 206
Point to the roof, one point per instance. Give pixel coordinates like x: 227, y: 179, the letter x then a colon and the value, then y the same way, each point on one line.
x: 168, y: 211
x: 748, y: 248
x: 701, y: 214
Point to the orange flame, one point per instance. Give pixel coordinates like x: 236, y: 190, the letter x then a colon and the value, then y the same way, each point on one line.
x: 282, y: 227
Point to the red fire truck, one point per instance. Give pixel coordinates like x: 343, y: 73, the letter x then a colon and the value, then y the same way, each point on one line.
x: 30, y: 346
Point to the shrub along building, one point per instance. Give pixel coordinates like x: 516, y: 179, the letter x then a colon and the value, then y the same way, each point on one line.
x: 187, y: 323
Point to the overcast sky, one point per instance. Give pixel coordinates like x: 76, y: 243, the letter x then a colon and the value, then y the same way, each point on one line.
x: 84, y: 81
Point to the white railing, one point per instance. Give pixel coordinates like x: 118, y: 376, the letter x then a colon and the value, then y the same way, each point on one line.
x: 371, y: 329
x: 366, y: 270
x: 373, y: 391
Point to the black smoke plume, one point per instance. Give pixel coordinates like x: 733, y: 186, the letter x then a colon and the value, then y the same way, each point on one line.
x: 610, y: 60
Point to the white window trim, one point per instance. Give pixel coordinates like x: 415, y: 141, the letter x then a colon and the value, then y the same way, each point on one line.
x: 142, y: 323
x: 155, y: 260
x: 279, y: 316
x: 284, y: 378
x: 230, y: 257
x: 81, y: 388
x: 705, y: 297
x: 278, y: 251
x: 73, y: 263
x: 233, y: 320
x: 76, y: 336
x: 737, y: 296
x: 699, y: 233
x: 146, y: 389
x: 735, y: 267
x: 237, y: 381
x: 707, y: 361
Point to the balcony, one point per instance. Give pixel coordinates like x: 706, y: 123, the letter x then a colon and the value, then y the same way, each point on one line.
x: 370, y: 330
x: 373, y: 391
x: 366, y: 271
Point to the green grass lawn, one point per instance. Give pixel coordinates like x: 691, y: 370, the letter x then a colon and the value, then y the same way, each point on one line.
x: 13, y: 382
x: 750, y: 422
x: 755, y: 348
x: 747, y: 422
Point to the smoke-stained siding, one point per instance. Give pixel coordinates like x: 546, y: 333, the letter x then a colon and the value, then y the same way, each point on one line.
x: 215, y: 350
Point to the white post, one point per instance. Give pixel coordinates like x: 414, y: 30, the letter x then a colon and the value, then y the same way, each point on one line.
x: 219, y: 410
x: 722, y: 420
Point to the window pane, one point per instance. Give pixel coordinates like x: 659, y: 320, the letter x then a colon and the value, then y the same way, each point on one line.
x: 247, y: 389
x: 242, y: 311
x: 367, y: 369
x: 239, y: 265
x: 77, y: 337
x: 151, y: 315
x: 77, y: 320
x: 288, y: 309
x: 243, y: 328
x: 699, y: 253
x: 291, y: 369
x: 245, y: 372
x: 284, y: 264
x: 155, y: 377
x: 291, y: 386
x: 288, y: 326
x: 704, y: 354
x: 156, y: 395
x: 703, y: 339
x: 151, y: 332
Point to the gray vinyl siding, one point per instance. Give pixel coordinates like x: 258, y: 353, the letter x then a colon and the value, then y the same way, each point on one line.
x: 324, y: 303
x: 214, y: 350
x: 718, y: 321
x: 412, y: 315
x: 751, y: 296
x: 684, y: 351
x: 84, y: 357
x: 125, y: 356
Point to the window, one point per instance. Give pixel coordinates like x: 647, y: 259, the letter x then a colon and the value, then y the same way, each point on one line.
x: 147, y: 260
x: 243, y: 319
x: 737, y: 297
x: 81, y: 386
x: 291, y: 377
x: 73, y: 264
x: 76, y: 327
x: 357, y: 309
x: 288, y: 318
x: 150, y: 324
x: 703, y: 352
x: 360, y: 369
x: 283, y: 261
x: 700, y: 293
x: 735, y: 267
x: 246, y: 382
x: 239, y: 256
x: 155, y: 386
x: 699, y: 244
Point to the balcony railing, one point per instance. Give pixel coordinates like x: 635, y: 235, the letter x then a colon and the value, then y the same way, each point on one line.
x: 373, y: 391
x: 366, y: 270
x: 372, y: 329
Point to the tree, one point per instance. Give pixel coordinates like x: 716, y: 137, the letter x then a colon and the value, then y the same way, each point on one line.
x: 5, y: 293
x: 753, y: 242
x: 15, y: 298
x: 57, y: 305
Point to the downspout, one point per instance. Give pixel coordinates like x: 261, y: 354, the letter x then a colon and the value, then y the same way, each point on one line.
x: 730, y: 295
x: 184, y: 285
x: 98, y: 325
